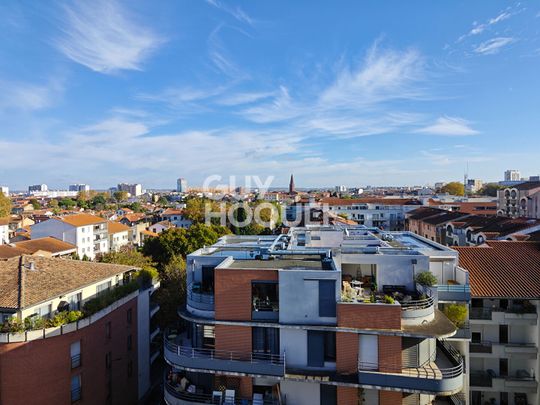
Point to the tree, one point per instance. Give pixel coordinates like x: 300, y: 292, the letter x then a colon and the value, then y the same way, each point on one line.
x: 128, y: 256
x: 196, y: 209
x: 120, y: 196
x: 99, y: 201
x: 5, y: 205
x: 172, y: 292
x: 457, y: 313
x: 453, y: 188
x: 67, y: 203
x: 490, y: 189
x: 163, y: 201
x: 136, y: 207
x: 35, y: 203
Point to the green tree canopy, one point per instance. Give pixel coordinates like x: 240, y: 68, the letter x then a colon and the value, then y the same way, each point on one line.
x: 453, y: 188
x: 5, y: 205
x: 35, y: 203
x: 120, y: 196
x: 490, y: 189
x: 67, y: 203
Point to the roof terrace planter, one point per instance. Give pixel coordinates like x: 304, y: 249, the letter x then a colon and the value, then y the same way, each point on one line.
x: 191, y: 358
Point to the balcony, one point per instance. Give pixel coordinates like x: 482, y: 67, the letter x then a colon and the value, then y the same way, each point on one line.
x: 454, y: 292
x: 463, y: 332
x: 521, y: 348
x: 219, y: 360
x: 199, y: 300
x: 417, y: 311
x: 443, y: 376
x: 480, y: 313
x: 481, y: 347
x: 265, y: 311
x: 481, y: 378
x: 173, y: 396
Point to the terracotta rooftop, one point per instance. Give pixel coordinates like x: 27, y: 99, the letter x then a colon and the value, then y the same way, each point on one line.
x: 134, y: 217
x: 528, y: 185
x: 82, y: 219
x: 424, y: 212
x: 172, y: 211
x: 51, y: 277
x: 369, y: 200
x: 115, y: 227
x: 31, y: 246
x: 503, y: 269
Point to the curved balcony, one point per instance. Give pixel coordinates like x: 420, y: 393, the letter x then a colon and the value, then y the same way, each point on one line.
x: 443, y: 376
x: 209, y: 360
x: 198, y: 302
x: 415, y: 312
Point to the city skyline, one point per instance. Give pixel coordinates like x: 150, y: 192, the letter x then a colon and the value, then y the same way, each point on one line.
x: 355, y: 95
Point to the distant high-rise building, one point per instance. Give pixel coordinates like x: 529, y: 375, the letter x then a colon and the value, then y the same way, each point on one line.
x: 4, y: 190
x: 134, y: 190
x: 181, y: 185
x: 341, y: 189
x: 291, y: 185
x: 512, y: 175
x: 79, y: 187
x: 473, y: 185
x: 37, y: 187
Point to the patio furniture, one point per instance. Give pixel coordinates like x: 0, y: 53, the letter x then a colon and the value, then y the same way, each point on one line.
x: 229, y: 397
x: 258, y: 399
x: 217, y: 397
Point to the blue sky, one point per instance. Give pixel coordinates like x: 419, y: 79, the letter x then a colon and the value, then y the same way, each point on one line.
x: 341, y: 92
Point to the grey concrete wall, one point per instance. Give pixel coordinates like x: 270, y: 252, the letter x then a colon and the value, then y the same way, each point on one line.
x: 299, y: 296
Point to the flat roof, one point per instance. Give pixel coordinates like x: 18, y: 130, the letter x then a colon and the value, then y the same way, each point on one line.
x: 300, y: 262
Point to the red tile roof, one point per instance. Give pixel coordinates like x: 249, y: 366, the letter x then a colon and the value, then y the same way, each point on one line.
x: 503, y: 269
x: 369, y: 200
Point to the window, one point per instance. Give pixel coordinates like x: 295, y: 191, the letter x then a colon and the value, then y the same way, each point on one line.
x: 74, y: 302
x: 321, y: 348
x: 265, y: 296
x: 130, y: 368
x: 75, y: 353
x: 129, y: 316
x: 44, y: 311
x: 75, y: 388
x: 265, y: 340
x: 129, y: 342
x: 103, y: 287
x: 327, y: 298
x: 108, y: 330
x: 328, y: 394
x: 108, y: 360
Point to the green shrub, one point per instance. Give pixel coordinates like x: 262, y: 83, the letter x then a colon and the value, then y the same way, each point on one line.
x: 457, y: 313
x: 108, y: 297
x: 426, y: 279
x: 388, y: 300
x: 12, y: 325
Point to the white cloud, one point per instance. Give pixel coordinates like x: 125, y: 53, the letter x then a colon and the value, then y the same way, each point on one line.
x: 235, y: 99
x: 103, y: 37
x: 237, y: 12
x: 27, y: 96
x: 449, y: 126
x: 480, y: 28
x: 493, y: 45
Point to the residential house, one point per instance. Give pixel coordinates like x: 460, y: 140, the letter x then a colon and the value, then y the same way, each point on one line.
x: 104, y: 358
x: 505, y: 290
x: 161, y: 226
x: 176, y: 217
x: 119, y: 235
x: 520, y: 200
x: 88, y: 232
x: 47, y: 246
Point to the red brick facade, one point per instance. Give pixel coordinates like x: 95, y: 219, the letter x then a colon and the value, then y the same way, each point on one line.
x: 233, y: 292
x: 390, y: 398
x: 346, y: 353
x: 233, y: 339
x: 369, y: 316
x: 390, y: 354
x: 347, y: 396
x: 39, y: 372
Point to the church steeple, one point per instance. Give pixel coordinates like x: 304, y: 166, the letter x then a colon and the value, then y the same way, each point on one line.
x: 291, y: 185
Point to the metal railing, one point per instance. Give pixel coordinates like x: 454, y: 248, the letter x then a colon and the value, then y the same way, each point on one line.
x: 417, y: 304
x: 481, y: 379
x: 198, y: 353
x: 207, y: 299
x: 210, y: 398
x: 484, y: 346
x: 463, y: 331
x: 263, y: 305
x: 76, y: 361
x: 480, y: 313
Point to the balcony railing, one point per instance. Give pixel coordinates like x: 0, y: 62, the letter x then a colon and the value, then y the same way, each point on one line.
x: 463, y: 332
x: 480, y: 313
x: 265, y: 310
x: 454, y: 292
x: 209, y: 359
x: 76, y: 361
x: 172, y: 395
x: 202, y: 301
x: 481, y: 347
x: 429, y: 378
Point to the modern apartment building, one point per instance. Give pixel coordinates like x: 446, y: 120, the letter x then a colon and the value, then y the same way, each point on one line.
x: 512, y: 175
x: 103, y: 358
x: 181, y: 185
x: 520, y: 200
x: 119, y: 235
x: 4, y: 190
x: 79, y: 187
x: 37, y: 187
x: 320, y: 315
x: 88, y: 232
x: 134, y: 190
x: 505, y: 289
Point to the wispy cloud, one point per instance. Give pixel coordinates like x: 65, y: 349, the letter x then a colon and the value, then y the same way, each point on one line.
x: 449, y: 126
x: 236, y: 99
x: 236, y: 12
x: 480, y: 28
x: 28, y: 96
x: 104, y: 37
x: 493, y: 45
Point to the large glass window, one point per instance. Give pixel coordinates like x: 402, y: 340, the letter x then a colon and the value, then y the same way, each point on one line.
x: 265, y: 296
x: 265, y: 340
x: 327, y: 298
x: 75, y: 388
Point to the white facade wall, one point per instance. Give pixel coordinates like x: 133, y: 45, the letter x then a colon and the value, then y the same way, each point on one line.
x: 4, y: 234
x: 301, y: 393
x: 117, y: 240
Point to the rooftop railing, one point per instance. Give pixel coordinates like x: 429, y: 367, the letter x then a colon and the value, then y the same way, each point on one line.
x: 197, y: 299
